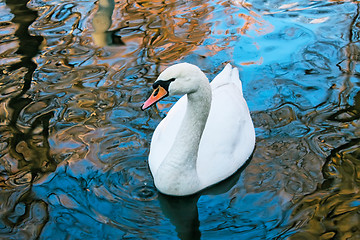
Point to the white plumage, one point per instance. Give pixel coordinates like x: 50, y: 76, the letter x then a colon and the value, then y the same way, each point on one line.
x: 206, y: 136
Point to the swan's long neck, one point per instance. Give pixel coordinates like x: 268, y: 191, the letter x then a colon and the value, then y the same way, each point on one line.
x: 179, y: 166
x: 186, y: 146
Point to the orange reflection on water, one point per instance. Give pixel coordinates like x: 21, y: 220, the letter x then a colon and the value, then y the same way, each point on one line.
x: 259, y: 62
x: 172, y: 31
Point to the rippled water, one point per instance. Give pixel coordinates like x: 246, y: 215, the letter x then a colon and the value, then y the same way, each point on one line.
x: 74, y: 141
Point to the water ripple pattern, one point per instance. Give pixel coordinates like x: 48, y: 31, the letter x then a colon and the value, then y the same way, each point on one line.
x: 74, y: 142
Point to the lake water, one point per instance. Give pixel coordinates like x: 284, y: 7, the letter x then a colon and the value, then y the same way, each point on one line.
x: 74, y: 142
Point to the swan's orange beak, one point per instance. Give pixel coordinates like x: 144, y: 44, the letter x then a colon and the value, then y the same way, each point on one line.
x: 158, y: 94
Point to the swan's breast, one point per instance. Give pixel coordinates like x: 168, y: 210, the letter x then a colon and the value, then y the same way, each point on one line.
x: 165, y: 133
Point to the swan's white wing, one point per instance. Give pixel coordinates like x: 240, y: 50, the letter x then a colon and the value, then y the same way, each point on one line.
x: 165, y: 133
x: 229, y: 136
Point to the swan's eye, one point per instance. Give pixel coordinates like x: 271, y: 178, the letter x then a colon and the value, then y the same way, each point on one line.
x: 156, y: 92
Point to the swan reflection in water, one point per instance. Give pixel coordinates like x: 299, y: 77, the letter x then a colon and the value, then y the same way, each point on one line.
x: 183, y: 211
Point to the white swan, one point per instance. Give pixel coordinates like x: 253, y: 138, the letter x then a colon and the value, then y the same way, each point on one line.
x: 206, y: 136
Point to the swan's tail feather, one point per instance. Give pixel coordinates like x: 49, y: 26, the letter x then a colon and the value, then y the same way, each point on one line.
x: 228, y: 75
x: 235, y: 78
x: 223, y: 76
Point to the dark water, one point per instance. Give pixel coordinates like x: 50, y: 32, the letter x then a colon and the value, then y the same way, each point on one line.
x: 74, y: 142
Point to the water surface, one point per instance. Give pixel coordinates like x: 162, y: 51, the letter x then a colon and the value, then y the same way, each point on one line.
x: 74, y: 142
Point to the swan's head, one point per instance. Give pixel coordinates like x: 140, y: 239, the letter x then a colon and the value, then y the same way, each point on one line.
x: 178, y: 79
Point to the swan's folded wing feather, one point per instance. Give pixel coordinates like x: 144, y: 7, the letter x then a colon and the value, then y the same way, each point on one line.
x: 226, y: 76
x: 223, y: 77
x: 228, y: 138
